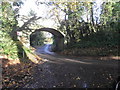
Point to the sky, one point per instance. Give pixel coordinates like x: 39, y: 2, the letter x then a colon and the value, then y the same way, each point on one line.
x: 31, y: 5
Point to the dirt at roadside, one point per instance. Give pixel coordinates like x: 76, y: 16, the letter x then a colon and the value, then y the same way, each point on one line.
x: 15, y: 75
x: 88, y: 54
x: 92, y: 51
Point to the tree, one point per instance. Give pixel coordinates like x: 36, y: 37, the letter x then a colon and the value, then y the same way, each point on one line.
x: 7, y: 45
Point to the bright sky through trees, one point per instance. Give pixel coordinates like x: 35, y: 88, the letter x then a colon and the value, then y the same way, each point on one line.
x: 42, y: 10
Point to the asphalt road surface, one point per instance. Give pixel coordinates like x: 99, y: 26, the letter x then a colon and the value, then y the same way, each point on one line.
x: 58, y: 71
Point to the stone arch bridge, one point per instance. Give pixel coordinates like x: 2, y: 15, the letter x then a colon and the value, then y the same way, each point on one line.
x: 58, y: 38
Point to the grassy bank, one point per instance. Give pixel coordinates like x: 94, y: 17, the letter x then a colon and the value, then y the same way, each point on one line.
x: 96, y: 44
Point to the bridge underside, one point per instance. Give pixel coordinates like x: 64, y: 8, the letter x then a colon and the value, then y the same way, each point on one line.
x: 58, y: 38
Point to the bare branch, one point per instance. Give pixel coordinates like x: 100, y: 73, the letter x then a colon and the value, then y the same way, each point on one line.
x: 25, y: 25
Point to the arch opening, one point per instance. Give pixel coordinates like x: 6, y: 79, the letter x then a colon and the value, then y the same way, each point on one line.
x: 57, y: 39
x: 40, y: 38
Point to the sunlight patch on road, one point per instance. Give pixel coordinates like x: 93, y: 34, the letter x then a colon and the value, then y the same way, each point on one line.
x: 71, y: 60
x: 45, y: 60
x: 47, y: 49
x: 55, y: 62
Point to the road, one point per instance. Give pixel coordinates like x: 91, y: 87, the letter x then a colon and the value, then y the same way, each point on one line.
x: 59, y: 71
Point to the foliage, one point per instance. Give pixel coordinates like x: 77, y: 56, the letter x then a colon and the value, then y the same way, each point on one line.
x: 7, y: 45
x: 37, y: 39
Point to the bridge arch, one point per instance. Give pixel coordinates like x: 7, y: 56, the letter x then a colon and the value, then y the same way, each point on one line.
x: 58, y: 38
